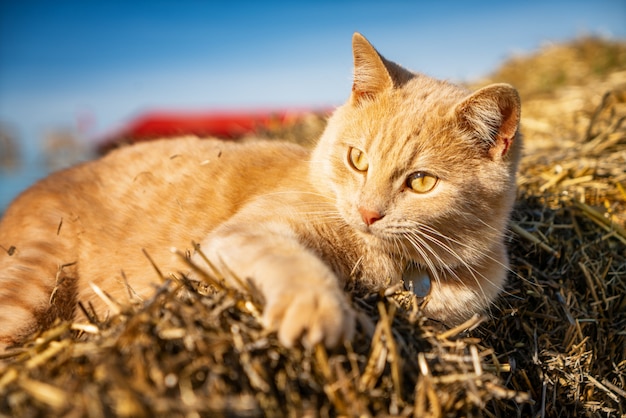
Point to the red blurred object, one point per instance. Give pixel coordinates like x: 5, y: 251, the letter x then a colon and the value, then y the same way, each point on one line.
x: 220, y: 124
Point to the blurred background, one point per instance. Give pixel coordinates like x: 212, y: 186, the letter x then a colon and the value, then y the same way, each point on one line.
x: 75, y: 73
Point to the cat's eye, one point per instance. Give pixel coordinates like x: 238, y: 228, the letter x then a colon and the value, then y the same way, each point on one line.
x: 358, y: 159
x: 421, y: 182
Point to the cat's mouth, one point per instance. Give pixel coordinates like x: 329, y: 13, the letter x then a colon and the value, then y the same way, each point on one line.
x: 363, y: 229
x: 417, y: 280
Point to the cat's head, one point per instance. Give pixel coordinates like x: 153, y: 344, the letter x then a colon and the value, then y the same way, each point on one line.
x: 419, y: 165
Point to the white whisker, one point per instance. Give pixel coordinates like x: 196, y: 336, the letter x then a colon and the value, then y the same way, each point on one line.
x: 429, y: 243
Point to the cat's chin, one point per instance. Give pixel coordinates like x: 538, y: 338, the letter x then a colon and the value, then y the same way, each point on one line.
x: 377, y: 239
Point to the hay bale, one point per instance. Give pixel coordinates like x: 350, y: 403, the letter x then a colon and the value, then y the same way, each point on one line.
x: 554, y: 344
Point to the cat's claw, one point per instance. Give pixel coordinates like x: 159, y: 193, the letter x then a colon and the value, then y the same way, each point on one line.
x: 310, y: 316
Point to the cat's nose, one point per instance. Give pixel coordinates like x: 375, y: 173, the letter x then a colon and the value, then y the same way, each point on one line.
x: 370, y: 216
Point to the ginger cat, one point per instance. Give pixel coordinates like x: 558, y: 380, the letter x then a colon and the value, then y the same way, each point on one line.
x: 413, y: 179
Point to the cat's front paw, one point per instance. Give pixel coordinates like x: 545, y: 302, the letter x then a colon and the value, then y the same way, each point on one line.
x: 311, y: 315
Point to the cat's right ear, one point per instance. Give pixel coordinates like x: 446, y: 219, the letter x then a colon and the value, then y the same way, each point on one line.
x: 370, y: 73
x: 492, y: 115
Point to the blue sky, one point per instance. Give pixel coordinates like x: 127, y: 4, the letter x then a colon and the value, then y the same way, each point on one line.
x: 114, y: 59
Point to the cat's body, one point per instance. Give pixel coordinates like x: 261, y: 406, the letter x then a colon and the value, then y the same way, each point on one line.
x: 411, y: 172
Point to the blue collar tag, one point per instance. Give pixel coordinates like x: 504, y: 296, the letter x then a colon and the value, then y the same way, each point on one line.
x: 417, y: 280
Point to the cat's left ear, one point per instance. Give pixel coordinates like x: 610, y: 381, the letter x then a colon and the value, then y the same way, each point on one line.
x: 492, y: 114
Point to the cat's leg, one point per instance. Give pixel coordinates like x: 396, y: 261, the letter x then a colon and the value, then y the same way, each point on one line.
x: 37, y: 272
x: 303, y: 298
x: 458, y: 293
